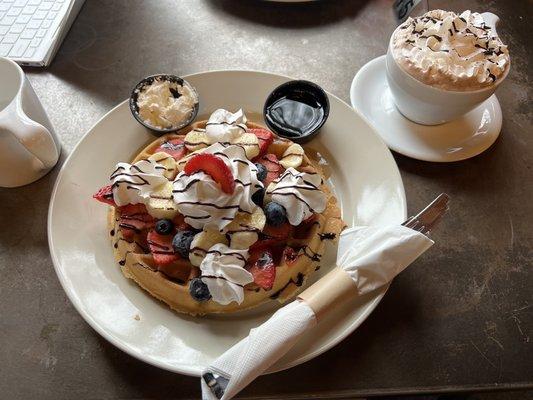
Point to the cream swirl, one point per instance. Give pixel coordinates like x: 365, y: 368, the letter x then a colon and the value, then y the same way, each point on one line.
x: 450, y: 51
x: 224, y: 126
x: 222, y: 270
x: 201, y: 200
x: 133, y: 183
x: 299, y: 193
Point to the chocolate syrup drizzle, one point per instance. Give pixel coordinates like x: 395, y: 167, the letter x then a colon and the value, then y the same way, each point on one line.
x: 298, y: 282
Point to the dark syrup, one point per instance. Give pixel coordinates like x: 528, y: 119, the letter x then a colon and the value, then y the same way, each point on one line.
x: 296, y: 114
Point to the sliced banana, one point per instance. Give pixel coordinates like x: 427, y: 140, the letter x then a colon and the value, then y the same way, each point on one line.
x: 161, y: 204
x: 196, y: 139
x: 292, y: 157
x: 202, y: 242
x: 243, y: 230
x: 167, y: 162
x: 268, y: 193
x: 250, y: 143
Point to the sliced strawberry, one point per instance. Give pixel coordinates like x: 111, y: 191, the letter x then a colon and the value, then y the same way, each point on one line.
x: 178, y: 269
x: 290, y: 255
x: 213, y: 166
x: 161, y: 248
x: 303, y: 230
x: 270, y: 161
x: 265, y: 139
x: 105, y: 195
x: 174, y: 147
x: 180, y: 224
x: 133, y: 219
x: 273, y: 246
x: 282, y: 231
x: 263, y: 270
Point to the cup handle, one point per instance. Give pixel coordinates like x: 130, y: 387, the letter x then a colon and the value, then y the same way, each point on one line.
x: 33, y: 136
x: 491, y: 20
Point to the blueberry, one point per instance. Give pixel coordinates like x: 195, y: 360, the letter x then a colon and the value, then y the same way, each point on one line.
x: 199, y: 290
x: 164, y: 227
x: 258, y: 196
x: 182, y: 242
x: 275, y: 214
x: 261, y: 171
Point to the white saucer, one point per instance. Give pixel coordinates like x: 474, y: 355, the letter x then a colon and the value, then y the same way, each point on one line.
x: 364, y: 177
x: 463, y: 138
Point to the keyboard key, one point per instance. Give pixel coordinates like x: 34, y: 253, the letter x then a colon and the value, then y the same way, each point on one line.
x: 4, y: 7
x: 34, y: 2
x: 39, y: 15
x: 19, y: 48
x: 45, y: 6
x: 20, y: 3
x: 46, y: 24
x: 4, y: 49
x: 34, y: 24
x: 10, y: 38
x: 2, y: 15
x: 29, y: 52
x: 7, y: 21
x: 28, y: 34
x: 52, y: 15
x: 30, y: 10
x: 14, y: 11
x: 35, y: 42
x: 23, y: 19
x: 56, y: 7
x: 17, y: 28
x: 41, y: 33
x: 3, y: 30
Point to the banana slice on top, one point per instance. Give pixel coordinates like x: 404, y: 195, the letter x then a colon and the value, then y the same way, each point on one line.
x: 244, y: 230
x: 250, y: 143
x: 202, y: 242
x: 167, y: 162
x: 161, y: 203
x: 196, y: 140
x: 292, y: 157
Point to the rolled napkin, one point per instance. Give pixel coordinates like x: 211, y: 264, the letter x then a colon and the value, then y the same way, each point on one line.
x: 368, y: 258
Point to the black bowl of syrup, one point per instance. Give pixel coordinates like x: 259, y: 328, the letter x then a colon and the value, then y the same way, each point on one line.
x: 296, y: 110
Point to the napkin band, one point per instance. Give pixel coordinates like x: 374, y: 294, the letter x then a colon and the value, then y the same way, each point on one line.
x: 332, y: 289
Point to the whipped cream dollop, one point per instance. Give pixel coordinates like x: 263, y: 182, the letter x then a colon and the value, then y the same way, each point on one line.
x: 450, y: 51
x: 225, y: 126
x: 166, y: 104
x: 133, y: 183
x: 222, y: 270
x: 201, y: 200
x: 299, y: 193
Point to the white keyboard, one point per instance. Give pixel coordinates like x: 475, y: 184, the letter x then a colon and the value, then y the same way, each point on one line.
x: 28, y: 28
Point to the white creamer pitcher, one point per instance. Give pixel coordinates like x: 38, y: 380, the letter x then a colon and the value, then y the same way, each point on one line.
x: 28, y: 146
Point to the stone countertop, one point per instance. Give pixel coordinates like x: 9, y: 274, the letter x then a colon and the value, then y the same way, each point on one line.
x: 459, y: 319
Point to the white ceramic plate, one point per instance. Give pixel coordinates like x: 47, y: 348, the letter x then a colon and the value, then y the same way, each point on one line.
x: 365, y: 178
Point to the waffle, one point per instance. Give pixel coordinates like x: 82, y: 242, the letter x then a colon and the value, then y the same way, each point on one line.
x: 137, y: 263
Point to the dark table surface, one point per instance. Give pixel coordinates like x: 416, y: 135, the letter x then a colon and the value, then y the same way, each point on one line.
x: 459, y: 319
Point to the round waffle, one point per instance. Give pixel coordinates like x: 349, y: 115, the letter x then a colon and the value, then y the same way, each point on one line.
x: 137, y: 263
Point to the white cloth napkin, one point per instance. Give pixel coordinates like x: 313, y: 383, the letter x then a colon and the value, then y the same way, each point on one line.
x: 372, y: 256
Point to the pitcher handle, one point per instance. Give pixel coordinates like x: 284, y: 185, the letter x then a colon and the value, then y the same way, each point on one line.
x: 33, y: 136
x: 491, y: 20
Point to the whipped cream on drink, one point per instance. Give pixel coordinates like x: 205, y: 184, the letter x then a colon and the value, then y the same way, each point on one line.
x: 450, y: 51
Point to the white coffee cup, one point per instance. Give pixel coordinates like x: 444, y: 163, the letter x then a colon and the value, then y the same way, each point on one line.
x: 429, y: 105
x: 28, y: 145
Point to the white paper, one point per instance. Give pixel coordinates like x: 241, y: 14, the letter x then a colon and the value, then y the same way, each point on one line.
x: 372, y: 256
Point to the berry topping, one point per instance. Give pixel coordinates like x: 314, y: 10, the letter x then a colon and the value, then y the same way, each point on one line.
x: 280, y: 232
x: 261, y: 171
x: 199, y: 290
x: 263, y: 271
x: 273, y: 167
x: 161, y: 248
x: 105, y: 195
x: 213, y: 166
x: 174, y: 147
x: 258, y: 197
x: 178, y: 270
x: 303, y: 230
x: 182, y: 242
x: 133, y: 219
x: 265, y: 139
x: 164, y: 227
x: 290, y: 255
x: 180, y: 224
x: 275, y: 214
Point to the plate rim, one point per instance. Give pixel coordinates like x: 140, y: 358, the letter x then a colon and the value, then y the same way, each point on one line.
x: 183, y: 369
